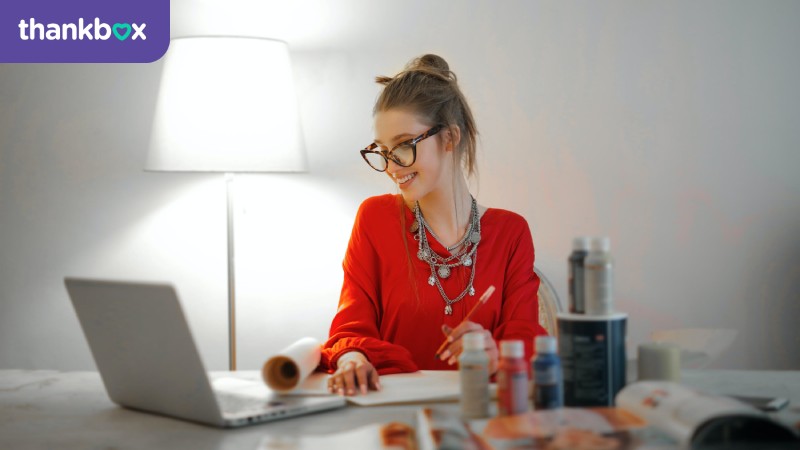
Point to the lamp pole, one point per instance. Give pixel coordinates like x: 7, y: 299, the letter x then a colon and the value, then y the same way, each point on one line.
x: 231, y: 275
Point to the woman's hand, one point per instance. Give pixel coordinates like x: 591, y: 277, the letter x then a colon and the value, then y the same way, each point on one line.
x: 453, y: 351
x: 354, y: 373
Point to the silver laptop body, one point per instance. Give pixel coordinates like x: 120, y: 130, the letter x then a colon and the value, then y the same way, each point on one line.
x: 147, y: 358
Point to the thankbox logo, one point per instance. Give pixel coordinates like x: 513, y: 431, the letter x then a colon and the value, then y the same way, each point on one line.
x: 45, y: 31
x: 32, y: 30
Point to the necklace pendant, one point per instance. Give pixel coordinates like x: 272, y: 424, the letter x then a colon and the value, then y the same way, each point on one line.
x: 431, y: 280
x: 444, y: 272
x: 467, y: 261
x: 475, y: 237
x: 448, y: 310
x: 414, y: 226
x: 423, y: 254
x: 471, y: 291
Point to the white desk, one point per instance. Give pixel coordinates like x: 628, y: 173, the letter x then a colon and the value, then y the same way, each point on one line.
x: 70, y: 410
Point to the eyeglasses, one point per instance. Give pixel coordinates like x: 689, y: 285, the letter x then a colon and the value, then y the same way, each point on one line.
x: 403, y: 154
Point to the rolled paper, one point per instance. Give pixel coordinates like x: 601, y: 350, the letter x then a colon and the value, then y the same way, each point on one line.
x: 284, y: 371
x: 659, y: 361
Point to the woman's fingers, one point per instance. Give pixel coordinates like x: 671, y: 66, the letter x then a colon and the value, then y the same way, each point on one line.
x: 353, y: 377
x: 452, y: 351
x: 350, y: 378
x: 336, y: 383
x: 446, y: 329
x: 361, y: 378
x: 465, y: 327
x: 374, y: 379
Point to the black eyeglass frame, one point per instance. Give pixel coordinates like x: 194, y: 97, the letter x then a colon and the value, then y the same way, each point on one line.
x: 389, y: 154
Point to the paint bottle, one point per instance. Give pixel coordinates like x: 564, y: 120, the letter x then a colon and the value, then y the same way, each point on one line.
x: 512, y: 379
x: 598, y: 269
x: 580, y: 248
x: 473, y: 365
x: 548, y: 387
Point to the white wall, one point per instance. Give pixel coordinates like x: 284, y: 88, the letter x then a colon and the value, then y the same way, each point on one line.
x: 669, y: 126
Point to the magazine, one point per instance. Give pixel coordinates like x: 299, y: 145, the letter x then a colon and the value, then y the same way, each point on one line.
x: 692, y: 417
x: 557, y: 429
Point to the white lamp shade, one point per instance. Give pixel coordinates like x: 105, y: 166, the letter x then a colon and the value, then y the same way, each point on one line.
x: 227, y: 104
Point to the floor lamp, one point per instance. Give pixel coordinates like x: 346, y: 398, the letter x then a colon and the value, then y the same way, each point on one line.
x: 227, y: 104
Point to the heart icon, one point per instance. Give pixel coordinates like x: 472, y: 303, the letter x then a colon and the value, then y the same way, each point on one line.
x: 121, y: 26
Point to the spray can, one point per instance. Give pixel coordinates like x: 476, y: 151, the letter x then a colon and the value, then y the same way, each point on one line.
x: 512, y: 379
x: 580, y: 248
x: 548, y: 387
x: 599, y: 278
x: 473, y: 365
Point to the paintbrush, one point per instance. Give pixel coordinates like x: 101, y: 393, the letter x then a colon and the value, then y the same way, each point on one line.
x: 484, y: 298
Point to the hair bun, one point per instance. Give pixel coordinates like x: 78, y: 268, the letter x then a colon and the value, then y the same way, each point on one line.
x: 429, y: 61
x: 433, y: 65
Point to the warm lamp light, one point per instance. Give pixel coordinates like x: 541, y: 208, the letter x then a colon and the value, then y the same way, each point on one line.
x: 227, y: 104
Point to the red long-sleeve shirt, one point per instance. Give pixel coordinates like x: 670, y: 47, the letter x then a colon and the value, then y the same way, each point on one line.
x: 399, y: 331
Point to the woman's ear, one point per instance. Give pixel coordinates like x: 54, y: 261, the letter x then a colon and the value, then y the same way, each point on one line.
x: 452, y: 137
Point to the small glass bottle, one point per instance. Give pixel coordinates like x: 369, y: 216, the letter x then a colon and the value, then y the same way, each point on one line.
x: 580, y: 248
x: 548, y: 387
x: 512, y: 379
x: 473, y: 365
x: 599, y: 278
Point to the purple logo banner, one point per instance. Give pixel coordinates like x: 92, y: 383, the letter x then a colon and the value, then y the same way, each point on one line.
x: 83, y: 31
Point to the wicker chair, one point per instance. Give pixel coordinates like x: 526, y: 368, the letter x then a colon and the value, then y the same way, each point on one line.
x: 549, y: 304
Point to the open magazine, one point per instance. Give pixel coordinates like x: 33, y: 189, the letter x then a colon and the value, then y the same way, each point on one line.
x: 558, y: 429
x: 692, y: 417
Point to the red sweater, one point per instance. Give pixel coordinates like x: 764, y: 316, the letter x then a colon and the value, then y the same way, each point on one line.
x: 379, y: 313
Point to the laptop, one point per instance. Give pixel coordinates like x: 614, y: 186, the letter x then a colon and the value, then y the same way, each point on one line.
x: 147, y: 358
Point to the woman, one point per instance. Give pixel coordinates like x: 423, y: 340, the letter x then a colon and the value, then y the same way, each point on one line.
x: 417, y: 262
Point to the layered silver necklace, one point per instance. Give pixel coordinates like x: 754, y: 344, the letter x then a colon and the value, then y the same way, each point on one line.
x: 442, y: 266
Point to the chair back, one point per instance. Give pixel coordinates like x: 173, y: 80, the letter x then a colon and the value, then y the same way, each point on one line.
x: 549, y: 304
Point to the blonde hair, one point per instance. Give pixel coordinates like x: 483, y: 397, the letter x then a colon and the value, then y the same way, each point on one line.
x: 427, y: 87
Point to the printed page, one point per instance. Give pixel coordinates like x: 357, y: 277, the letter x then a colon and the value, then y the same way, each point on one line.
x: 676, y: 409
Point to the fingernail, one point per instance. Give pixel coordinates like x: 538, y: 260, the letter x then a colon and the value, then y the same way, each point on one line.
x: 378, y: 386
x: 363, y: 389
x: 340, y: 391
x: 444, y: 355
x: 451, y: 360
x: 350, y: 392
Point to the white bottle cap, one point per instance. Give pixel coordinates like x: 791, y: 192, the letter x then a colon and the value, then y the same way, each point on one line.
x: 473, y: 341
x: 512, y: 349
x: 601, y: 244
x: 546, y: 344
x: 581, y: 243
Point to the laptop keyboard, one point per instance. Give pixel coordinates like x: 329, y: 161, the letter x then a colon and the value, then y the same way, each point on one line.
x: 238, y: 404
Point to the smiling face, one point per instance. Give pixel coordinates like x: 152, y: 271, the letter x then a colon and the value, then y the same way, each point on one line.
x: 432, y: 169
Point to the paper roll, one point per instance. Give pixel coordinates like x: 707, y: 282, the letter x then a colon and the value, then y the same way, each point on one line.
x: 659, y: 361
x: 284, y: 371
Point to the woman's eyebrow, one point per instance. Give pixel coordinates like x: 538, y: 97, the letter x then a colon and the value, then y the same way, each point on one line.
x: 377, y: 141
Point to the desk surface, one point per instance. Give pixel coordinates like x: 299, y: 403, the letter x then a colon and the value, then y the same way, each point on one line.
x: 65, y: 410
